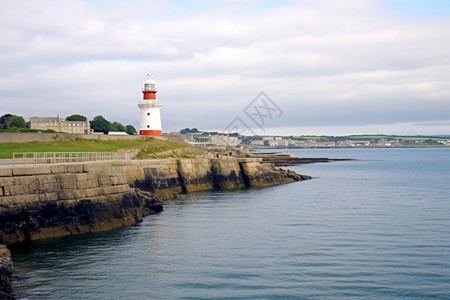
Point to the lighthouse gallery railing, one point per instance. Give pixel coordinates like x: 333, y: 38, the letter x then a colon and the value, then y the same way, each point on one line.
x: 34, y: 158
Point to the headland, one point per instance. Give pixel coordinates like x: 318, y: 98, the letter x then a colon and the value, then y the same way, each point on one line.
x: 44, y: 201
x: 55, y: 200
x: 59, y: 199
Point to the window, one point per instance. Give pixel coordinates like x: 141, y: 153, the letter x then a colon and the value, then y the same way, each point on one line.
x: 148, y: 114
x: 148, y: 126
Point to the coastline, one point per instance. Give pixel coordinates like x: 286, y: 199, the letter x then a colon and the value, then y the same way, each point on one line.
x: 44, y: 201
x: 48, y: 201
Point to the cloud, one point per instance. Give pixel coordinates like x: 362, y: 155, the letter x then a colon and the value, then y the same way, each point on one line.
x: 346, y: 63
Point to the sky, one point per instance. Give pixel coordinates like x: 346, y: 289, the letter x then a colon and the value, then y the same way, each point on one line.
x: 252, y: 66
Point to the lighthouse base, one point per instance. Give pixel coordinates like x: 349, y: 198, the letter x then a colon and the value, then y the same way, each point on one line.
x: 150, y: 132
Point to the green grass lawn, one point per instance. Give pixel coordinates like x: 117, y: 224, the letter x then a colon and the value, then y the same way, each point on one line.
x: 147, y: 146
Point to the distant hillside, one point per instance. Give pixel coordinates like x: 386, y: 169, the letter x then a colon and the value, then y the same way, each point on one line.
x: 403, y: 139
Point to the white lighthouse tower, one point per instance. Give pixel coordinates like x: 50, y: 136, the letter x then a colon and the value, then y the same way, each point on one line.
x: 150, y: 123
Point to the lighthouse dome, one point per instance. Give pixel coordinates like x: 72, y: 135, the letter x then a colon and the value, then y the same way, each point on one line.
x: 149, y: 84
x: 149, y: 80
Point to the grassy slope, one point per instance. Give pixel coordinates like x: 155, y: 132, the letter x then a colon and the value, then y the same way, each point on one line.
x: 148, y: 146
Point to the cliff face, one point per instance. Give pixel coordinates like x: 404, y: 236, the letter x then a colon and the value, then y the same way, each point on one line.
x: 56, y: 200
x: 189, y: 175
x: 46, y: 219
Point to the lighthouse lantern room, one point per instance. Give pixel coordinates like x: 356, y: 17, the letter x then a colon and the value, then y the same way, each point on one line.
x: 150, y: 122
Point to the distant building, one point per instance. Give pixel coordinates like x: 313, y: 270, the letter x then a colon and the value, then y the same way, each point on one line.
x: 258, y: 143
x: 279, y: 143
x: 225, y: 140
x: 207, y: 140
x: 60, y: 125
x: 197, y: 139
x: 273, y: 143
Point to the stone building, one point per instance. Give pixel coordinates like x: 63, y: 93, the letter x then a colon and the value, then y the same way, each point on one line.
x: 60, y: 125
x: 217, y: 140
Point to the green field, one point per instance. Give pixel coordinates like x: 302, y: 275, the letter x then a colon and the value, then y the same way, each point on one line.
x: 148, y: 147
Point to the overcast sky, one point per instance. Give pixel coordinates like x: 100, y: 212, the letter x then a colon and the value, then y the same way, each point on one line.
x: 325, y: 67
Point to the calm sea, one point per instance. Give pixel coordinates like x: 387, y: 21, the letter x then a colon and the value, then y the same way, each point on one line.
x: 375, y: 228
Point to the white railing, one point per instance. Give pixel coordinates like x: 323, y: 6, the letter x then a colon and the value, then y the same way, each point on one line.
x: 34, y: 158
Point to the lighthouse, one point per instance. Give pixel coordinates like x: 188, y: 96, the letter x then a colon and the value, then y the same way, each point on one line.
x: 150, y: 122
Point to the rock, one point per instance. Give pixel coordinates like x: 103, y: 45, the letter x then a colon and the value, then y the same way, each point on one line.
x: 294, y: 176
x: 6, y: 268
x: 264, y: 174
x: 283, y: 159
x: 147, y: 200
x: 47, y: 219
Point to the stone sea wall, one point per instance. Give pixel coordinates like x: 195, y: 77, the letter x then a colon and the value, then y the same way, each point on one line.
x: 44, y: 201
x: 23, y: 137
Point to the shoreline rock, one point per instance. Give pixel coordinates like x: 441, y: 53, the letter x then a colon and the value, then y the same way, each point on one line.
x: 284, y: 160
x: 50, y: 219
x: 6, y: 269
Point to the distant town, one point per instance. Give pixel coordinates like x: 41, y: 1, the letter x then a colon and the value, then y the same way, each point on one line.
x: 195, y: 137
x: 77, y: 124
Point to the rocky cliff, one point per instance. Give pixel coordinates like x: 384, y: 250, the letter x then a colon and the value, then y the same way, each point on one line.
x: 45, y: 201
x: 63, y: 199
x: 51, y: 201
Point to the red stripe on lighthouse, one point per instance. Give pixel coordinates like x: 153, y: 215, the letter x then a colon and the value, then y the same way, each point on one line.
x: 149, y: 95
x: 150, y: 132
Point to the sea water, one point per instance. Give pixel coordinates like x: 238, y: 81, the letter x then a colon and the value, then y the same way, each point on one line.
x: 377, y: 227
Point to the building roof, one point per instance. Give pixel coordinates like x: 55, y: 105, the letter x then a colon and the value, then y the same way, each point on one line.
x: 52, y: 120
x: 44, y: 119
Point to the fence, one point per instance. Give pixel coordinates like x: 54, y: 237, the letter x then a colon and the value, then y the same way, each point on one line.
x: 34, y: 158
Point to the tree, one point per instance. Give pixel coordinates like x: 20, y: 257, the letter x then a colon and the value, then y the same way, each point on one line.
x: 116, y: 126
x: 187, y: 130
x: 12, y: 121
x: 131, y: 129
x: 4, y: 120
x: 17, y: 122
x: 100, y: 124
x: 76, y: 117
